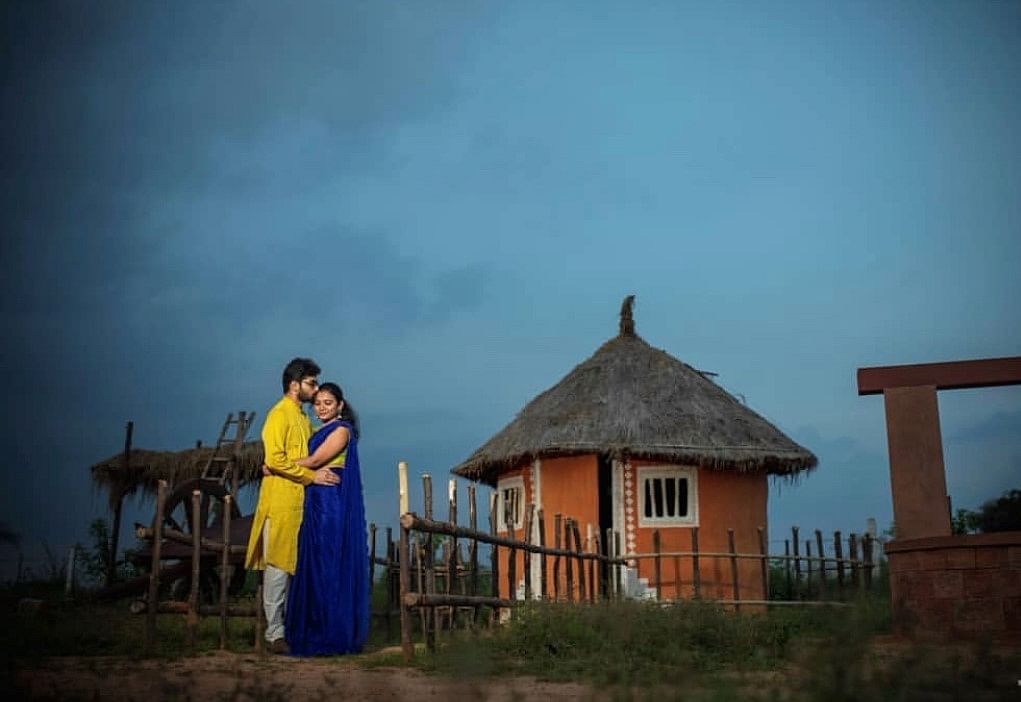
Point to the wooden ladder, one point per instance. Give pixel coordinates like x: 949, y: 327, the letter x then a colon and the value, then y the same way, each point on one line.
x: 222, y: 461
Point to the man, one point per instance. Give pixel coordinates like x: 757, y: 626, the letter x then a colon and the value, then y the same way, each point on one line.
x: 273, y: 542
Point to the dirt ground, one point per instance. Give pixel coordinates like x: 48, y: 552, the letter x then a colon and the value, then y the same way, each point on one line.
x: 229, y: 676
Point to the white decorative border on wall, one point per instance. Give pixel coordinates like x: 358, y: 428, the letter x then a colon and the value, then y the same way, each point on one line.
x: 630, y: 507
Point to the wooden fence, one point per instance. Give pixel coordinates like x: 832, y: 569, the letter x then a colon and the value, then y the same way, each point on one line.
x: 452, y: 586
x: 443, y: 588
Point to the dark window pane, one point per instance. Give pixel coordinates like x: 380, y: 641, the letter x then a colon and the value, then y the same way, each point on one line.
x: 648, y: 498
x: 682, y: 497
x: 657, y: 490
x: 671, y: 497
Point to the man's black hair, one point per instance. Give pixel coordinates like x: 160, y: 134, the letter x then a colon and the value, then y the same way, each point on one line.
x: 299, y: 369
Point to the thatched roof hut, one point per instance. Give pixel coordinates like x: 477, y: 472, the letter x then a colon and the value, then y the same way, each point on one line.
x: 632, y: 400
x: 147, y: 468
x: 640, y: 445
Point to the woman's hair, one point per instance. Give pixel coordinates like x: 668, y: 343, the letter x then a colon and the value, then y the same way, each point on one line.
x: 347, y: 413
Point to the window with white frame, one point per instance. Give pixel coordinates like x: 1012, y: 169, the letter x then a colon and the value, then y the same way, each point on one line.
x: 667, y: 496
x: 510, y: 502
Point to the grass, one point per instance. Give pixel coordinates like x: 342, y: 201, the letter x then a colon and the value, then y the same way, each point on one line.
x: 630, y: 650
x: 697, y: 650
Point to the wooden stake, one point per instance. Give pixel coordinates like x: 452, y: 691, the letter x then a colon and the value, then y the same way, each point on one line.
x: 526, y: 555
x: 452, y: 541
x: 866, y: 552
x: 196, y: 552
x: 591, y: 564
x: 543, y: 589
x: 431, y: 616
x: 838, y: 552
x: 228, y: 503
x: 556, y: 559
x: 657, y: 565
x: 733, y: 569
x: 581, y: 563
x: 494, y: 557
x: 852, y: 553
x: 822, y: 564
x: 404, y: 564
x: 764, y: 567
x: 154, y: 569
x: 402, y: 481
x: 569, y: 562
x: 797, y: 562
x: 696, y: 573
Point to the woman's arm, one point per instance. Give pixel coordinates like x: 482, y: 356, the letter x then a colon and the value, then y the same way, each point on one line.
x: 328, y: 450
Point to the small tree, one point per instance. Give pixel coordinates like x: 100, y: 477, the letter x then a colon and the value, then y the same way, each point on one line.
x: 964, y: 522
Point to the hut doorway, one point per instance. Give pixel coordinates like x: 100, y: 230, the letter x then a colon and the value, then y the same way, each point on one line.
x: 605, y: 490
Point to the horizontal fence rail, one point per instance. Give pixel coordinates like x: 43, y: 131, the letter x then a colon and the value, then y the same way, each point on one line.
x: 438, y: 585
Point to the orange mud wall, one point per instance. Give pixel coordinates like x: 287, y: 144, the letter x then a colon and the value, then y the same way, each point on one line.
x: 726, y: 500
x: 569, y: 487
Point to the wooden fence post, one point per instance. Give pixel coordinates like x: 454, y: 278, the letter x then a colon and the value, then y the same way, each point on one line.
x: 581, y: 562
x: 852, y: 553
x: 797, y: 562
x: 608, y: 548
x: 431, y: 615
x: 494, y: 553
x: 512, y: 554
x: 696, y: 573
x: 657, y: 566
x: 733, y: 569
x: 569, y: 562
x: 822, y: 564
x: 526, y: 555
x: 808, y: 568
x: 473, y: 549
x: 452, y: 563
x: 763, y: 561
x: 591, y: 564
x: 556, y: 559
x: 838, y: 552
x: 866, y: 552
x: 228, y: 503
x: 787, y: 568
x: 618, y: 575
x: 196, y: 549
x: 154, y: 569
x: 404, y: 563
x: 543, y: 589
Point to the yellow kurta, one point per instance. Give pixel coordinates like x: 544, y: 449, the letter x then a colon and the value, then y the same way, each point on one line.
x: 285, y: 436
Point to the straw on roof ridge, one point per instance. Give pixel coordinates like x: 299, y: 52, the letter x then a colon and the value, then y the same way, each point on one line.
x: 632, y: 400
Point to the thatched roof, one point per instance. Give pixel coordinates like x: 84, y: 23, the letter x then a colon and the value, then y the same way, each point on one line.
x: 632, y: 400
x: 148, y: 467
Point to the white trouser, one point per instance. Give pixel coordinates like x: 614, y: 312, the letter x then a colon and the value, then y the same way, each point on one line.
x: 274, y: 593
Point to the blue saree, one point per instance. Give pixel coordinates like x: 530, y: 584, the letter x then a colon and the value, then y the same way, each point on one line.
x: 328, y: 603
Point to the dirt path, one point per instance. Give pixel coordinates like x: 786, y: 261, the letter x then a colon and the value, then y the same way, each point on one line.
x: 228, y: 676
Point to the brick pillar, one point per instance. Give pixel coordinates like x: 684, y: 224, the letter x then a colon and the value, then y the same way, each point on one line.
x: 917, y: 473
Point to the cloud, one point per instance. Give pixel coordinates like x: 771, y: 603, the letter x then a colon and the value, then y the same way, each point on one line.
x: 850, y: 485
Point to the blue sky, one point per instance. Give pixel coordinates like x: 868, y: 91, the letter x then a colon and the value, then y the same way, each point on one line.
x: 444, y: 204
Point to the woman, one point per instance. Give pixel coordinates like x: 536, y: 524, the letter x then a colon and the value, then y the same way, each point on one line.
x: 328, y: 603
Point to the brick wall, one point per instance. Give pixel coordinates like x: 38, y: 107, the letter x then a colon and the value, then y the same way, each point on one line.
x: 957, y: 587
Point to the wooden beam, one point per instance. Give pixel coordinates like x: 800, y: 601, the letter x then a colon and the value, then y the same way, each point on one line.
x: 953, y: 375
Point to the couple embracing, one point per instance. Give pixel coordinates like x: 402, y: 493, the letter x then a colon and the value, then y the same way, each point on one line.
x: 308, y: 534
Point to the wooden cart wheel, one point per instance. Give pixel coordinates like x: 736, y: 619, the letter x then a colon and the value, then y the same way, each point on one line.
x: 177, y: 515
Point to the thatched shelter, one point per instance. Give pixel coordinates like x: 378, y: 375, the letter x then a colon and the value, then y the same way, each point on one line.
x: 635, y: 440
x: 147, y: 468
